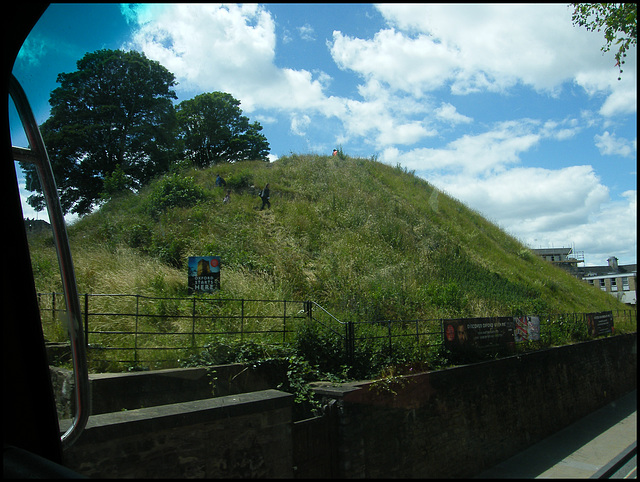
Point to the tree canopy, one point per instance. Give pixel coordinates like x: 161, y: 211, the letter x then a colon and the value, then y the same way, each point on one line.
x: 114, y: 112
x: 618, y: 20
x: 214, y: 130
x: 113, y: 126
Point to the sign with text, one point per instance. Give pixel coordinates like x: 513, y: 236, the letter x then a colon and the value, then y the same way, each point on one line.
x: 600, y: 323
x: 527, y: 328
x: 468, y: 334
x: 204, y: 274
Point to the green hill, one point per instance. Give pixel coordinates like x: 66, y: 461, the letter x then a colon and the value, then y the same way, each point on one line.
x: 365, y: 240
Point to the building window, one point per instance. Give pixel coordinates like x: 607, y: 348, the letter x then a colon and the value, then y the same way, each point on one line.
x: 625, y: 284
x: 603, y: 287
x: 614, y: 284
x: 590, y: 281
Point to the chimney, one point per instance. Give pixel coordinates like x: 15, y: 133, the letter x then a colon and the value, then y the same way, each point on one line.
x: 613, y: 263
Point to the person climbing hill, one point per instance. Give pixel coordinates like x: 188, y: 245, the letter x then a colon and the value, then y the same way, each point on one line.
x: 264, y: 195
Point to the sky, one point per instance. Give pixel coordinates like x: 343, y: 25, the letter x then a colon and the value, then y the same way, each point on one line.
x: 510, y: 109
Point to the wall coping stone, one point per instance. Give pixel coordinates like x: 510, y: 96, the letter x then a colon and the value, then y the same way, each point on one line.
x: 192, y: 373
x: 120, y: 424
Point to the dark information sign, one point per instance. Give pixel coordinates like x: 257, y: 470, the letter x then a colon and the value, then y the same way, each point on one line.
x: 204, y: 274
x: 470, y: 334
x: 600, y: 323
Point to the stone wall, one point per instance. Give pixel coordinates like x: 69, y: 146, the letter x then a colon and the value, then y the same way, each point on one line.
x: 454, y: 422
x: 237, y: 436
x: 459, y: 421
x: 113, y: 392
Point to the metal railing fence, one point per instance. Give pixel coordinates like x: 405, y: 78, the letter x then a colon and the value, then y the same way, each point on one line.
x: 142, y: 325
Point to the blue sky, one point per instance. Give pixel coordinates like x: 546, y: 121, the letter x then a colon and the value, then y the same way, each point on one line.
x: 508, y: 108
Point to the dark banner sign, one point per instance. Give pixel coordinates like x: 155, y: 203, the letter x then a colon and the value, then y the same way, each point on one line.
x: 600, y: 323
x: 527, y: 328
x: 204, y: 274
x: 469, y: 334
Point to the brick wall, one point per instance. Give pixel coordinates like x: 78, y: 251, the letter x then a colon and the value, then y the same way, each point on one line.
x: 237, y: 436
x: 454, y: 422
x: 459, y: 421
x: 113, y: 392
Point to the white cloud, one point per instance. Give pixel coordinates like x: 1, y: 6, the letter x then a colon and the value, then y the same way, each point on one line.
x: 28, y: 212
x: 471, y: 48
x: 540, y: 199
x: 561, y: 130
x: 621, y: 94
x: 611, y: 231
x: 621, y: 101
x: 306, y: 32
x: 229, y: 48
x: 611, y: 145
x: 544, y: 208
x: 502, y: 44
x: 412, y: 65
x: 448, y: 113
x: 299, y: 124
x: 384, y: 118
x: 33, y: 49
x: 473, y: 155
x: 484, y: 47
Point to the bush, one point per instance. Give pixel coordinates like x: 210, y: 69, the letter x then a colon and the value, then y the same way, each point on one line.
x: 326, y: 350
x: 170, y: 250
x: 173, y: 191
x: 240, y: 180
x: 116, y: 183
x: 139, y: 236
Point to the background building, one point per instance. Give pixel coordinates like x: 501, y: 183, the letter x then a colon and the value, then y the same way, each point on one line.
x: 564, y: 257
x: 619, y: 280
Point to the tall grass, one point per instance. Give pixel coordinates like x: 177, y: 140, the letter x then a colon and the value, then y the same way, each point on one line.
x: 365, y: 240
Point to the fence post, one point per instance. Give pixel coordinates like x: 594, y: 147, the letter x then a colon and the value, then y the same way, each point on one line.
x: 242, y: 321
x: 284, y: 322
x: 193, y: 324
x: 135, y: 335
x: 350, y: 341
x: 86, y: 319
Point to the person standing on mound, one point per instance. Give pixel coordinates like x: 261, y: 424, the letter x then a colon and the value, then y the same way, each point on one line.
x: 264, y: 195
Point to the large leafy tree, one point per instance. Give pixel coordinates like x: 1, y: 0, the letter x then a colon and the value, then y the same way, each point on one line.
x: 112, y: 118
x: 213, y: 130
x: 619, y: 21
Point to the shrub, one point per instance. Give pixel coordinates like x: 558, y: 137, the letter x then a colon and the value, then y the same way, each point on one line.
x: 171, y: 251
x: 139, y: 236
x: 320, y: 349
x: 116, y: 183
x: 240, y: 180
x: 173, y: 191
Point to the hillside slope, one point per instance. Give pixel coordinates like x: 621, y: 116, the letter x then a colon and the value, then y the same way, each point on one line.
x: 365, y: 240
